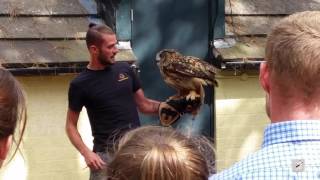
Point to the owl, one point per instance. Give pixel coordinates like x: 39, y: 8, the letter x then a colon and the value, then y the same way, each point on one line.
x: 186, y: 74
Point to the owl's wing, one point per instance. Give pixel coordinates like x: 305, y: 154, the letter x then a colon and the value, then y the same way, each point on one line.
x: 192, y: 67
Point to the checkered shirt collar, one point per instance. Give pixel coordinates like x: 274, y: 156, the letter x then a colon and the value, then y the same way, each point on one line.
x: 289, y: 131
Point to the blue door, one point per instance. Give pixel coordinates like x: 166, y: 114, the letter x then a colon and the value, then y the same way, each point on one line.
x: 182, y: 25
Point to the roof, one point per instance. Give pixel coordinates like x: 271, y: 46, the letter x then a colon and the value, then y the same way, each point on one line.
x: 248, y: 22
x: 47, y: 33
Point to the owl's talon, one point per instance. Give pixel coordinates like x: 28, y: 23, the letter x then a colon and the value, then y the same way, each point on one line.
x: 192, y: 96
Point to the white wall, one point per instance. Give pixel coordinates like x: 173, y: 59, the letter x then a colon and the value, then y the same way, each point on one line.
x: 240, y: 118
x: 47, y: 152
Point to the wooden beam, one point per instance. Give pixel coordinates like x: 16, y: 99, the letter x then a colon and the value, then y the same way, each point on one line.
x: 43, y: 27
x: 53, y: 51
x: 250, y: 25
x: 246, y: 48
x: 248, y: 7
x: 46, y: 7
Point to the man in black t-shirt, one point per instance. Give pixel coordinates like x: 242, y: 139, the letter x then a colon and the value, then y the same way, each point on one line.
x: 111, y: 93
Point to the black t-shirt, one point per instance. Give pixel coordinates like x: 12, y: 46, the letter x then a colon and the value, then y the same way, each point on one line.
x: 108, y: 96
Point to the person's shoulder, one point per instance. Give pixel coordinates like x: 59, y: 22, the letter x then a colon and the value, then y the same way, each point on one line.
x: 234, y: 172
x: 80, y: 78
x: 243, y: 168
x: 268, y: 162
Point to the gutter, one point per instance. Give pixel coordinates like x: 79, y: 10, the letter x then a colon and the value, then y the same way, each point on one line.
x: 55, y: 70
x: 241, y: 64
x: 234, y: 63
x: 31, y: 71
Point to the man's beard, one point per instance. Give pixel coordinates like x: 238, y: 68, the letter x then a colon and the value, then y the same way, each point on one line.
x: 102, y: 60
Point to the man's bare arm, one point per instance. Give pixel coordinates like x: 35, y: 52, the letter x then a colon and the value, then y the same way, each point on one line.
x: 91, y: 158
x: 146, y: 105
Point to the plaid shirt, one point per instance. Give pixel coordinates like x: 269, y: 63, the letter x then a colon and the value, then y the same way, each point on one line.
x: 290, y: 150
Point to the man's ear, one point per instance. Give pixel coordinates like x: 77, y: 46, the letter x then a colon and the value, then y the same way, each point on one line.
x: 5, y: 144
x: 264, y: 77
x: 94, y: 49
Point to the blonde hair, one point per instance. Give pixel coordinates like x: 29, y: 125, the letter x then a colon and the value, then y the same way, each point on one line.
x: 293, y: 52
x: 158, y: 153
x: 12, y: 107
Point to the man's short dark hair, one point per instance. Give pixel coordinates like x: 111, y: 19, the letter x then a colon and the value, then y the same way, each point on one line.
x: 94, y: 34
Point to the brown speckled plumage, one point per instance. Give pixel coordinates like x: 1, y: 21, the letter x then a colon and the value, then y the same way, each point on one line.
x: 186, y: 74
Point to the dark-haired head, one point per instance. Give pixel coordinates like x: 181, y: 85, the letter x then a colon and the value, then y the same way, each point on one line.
x: 95, y: 32
x: 92, y: 24
x: 12, y: 111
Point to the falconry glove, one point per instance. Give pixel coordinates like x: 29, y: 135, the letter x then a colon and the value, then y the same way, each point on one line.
x: 172, y: 109
x: 168, y: 114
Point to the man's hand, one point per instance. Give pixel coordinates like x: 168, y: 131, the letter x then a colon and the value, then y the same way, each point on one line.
x: 173, y: 108
x: 94, y: 162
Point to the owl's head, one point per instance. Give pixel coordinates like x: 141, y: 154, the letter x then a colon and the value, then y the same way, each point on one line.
x: 167, y: 54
